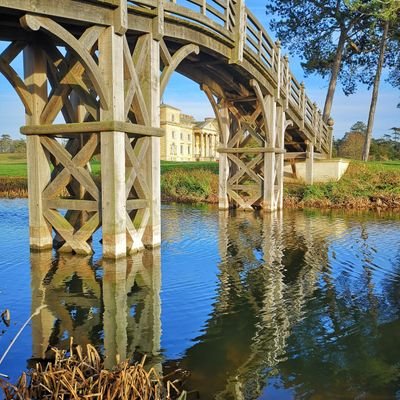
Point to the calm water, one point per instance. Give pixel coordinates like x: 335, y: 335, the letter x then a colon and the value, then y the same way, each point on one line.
x: 300, y: 305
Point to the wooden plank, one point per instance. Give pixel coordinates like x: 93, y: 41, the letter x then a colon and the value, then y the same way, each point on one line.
x: 82, y: 11
x: 136, y: 204
x: 91, y: 127
x: 251, y: 150
x: 71, y: 204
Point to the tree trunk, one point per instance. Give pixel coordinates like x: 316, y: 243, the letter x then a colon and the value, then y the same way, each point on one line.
x: 334, y: 76
x: 375, y: 91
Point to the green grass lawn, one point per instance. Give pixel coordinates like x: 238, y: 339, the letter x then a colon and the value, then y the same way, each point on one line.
x: 14, y: 165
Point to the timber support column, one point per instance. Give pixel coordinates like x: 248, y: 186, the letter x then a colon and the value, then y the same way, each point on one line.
x: 269, y: 168
x: 39, y: 174
x: 280, y: 155
x: 310, y: 164
x: 223, y: 199
x: 150, y: 83
x: 113, y: 147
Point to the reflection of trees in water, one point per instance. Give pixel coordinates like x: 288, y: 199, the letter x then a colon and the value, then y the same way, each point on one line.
x: 115, y: 306
x: 267, y: 273
x: 282, y: 313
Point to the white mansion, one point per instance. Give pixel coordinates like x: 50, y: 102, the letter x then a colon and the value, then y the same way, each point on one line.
x: 185, y: 139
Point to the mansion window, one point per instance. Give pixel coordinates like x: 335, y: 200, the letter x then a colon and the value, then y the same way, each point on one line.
x: 188, y: 149
x: 181, y: 149
x: 173, y: 134
x: 181, y: 136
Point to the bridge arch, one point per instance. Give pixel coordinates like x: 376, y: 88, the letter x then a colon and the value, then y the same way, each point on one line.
x: 108, y: 84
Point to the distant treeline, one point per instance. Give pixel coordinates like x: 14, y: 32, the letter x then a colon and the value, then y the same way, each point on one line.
x: 382, y: 149
x: 10, y: 145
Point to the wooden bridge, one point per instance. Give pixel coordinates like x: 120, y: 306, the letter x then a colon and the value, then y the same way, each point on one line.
x: 102, y: 66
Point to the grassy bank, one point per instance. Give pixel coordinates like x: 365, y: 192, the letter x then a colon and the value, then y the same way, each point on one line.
x: 364, y: 186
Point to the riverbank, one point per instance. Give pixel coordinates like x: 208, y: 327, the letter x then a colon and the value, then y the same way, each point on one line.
x: 364, y: 186
x: 370, y: 185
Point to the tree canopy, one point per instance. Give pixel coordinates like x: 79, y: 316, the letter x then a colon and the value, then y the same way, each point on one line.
x: 324, y: 34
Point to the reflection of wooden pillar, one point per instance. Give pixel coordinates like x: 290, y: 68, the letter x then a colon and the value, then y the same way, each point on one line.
x: 310, y: 164
x: 152, y: 267
x: 115, y: 311
x: 43, y: 323
x: 38, y: 164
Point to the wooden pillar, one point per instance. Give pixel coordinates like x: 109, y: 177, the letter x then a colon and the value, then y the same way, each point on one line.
x: 268, y: 203
x: 223, y: 200
x: 310, y: 164
x: 38, y: 164
x: 113, y: 147
x: 280, y: 157
x: 151, y: 91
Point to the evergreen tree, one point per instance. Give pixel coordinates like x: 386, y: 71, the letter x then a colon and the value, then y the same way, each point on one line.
x: 384, y: 23
x: 325, y: 35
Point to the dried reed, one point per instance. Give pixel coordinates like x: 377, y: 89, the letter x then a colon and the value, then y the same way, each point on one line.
x: 75, y: 375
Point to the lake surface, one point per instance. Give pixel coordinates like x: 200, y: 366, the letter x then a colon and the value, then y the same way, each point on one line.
x: 297, y: 305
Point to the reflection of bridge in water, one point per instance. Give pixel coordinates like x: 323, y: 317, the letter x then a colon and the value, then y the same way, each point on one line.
x: 268, y: 272
x: 115, y: 305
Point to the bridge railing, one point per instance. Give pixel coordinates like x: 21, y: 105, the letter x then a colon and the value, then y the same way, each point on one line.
x: 224, y: 18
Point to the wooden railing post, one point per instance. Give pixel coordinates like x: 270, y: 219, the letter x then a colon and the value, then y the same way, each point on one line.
x: 278, y: 61
x: 302, y: 104
x: 287, y: 78
x: 330, y: 123
x: 239, y: 32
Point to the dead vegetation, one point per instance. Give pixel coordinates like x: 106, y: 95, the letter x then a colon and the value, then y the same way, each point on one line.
x: 13, y: 188
x: 81, y: 375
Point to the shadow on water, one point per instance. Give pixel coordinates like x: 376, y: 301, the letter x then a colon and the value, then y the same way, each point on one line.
x: 305, y: 306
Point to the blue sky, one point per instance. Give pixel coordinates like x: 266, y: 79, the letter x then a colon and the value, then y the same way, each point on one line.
x: 346, y: 110
x: 186, y: 95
